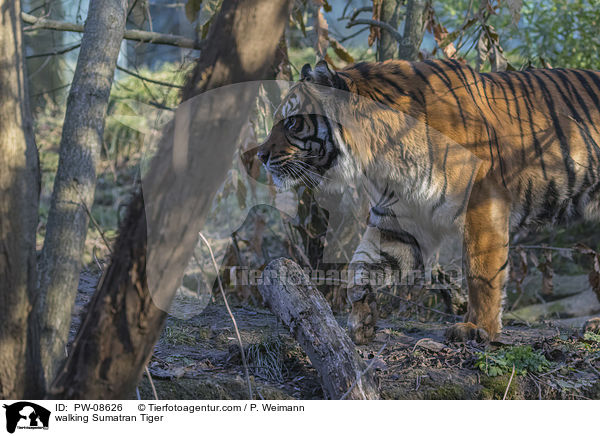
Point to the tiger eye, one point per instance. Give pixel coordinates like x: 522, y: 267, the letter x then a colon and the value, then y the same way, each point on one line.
x: 292, y: 123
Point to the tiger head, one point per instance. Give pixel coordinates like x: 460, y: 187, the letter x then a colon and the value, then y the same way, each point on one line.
x: 305, y: 143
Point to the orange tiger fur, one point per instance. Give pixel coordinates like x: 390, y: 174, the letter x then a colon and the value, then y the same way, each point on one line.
x: 536, y: 134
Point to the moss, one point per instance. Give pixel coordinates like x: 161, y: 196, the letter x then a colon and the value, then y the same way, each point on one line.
x: 447, y: 391
x: 495, y: 387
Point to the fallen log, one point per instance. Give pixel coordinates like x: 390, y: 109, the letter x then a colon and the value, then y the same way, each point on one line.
x: 303, y: 309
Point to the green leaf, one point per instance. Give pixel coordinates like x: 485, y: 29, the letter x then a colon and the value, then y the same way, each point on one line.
x: 192, y: 7
x: 208, y: 10
x: 501, y: 361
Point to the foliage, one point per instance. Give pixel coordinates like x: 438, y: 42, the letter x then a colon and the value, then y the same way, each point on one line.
x: 122, y: 138
x: 522, y: 357
x: 120, y: 154
x: 562, y: 32
x: 592, y: 337
x: 559, y: 33
x: 202, y: 12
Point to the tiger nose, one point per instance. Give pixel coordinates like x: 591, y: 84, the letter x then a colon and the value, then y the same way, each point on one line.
x: 263, y: 154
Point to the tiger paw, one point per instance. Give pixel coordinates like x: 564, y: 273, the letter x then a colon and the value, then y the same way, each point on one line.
x: 592, y: 325
x: 466, y: 331
x: 362, y: 320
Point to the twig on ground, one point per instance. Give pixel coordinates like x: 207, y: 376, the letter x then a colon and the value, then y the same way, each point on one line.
x: 509, y: 382
x: 151, y: 382
x: 419, y: 343
x: 558, y: 368
x: 237, y: 332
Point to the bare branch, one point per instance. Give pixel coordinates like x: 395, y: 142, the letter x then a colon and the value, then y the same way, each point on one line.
x: 132, y: 34
x: 55, y: 52
x: 358, y: 11
x: 370, y: 22
x: 147, y: 79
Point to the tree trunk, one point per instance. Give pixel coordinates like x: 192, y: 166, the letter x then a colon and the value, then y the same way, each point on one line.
x: 387, y: 46
x: 75, y: 181
x: 414, y: 30
x: 125, y: 318
x: 19, y: 184
x: 302, y: 308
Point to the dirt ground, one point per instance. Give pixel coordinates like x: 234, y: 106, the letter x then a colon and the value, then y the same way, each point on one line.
x: 198, y: 358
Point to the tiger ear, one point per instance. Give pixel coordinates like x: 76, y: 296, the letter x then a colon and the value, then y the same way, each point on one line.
x: 305, y: 73
x: 322, y: 75
x: 323, y: 69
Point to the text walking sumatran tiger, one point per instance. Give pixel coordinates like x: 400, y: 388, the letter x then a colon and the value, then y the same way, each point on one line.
x: 442, y: 149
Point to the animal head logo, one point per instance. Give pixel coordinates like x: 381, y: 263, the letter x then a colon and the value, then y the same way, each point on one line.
x: 26, y: 415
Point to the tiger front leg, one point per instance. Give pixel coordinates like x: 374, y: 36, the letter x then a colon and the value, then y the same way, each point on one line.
x: 379, y: 250
x: 486, y: 261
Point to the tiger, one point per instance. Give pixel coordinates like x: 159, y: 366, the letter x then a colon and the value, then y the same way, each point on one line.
x: 527, y: 155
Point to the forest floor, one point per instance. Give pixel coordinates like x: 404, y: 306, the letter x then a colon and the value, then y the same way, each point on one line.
x: 197, y: 357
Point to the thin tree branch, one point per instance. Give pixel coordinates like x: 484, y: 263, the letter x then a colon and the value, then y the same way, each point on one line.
x: 370, y: 22
x: 50, y: 91
x: 358, y: 11
x: 237, y: 332
x: 55, y: 52
x: 132, y: 34
x: 352, y: 35
x: 147, y: 79
x: 91, y: 217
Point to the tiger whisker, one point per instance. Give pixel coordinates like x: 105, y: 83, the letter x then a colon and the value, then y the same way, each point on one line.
x: 307, y: 178
x: 295, y: 172
x: 311, y: 169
